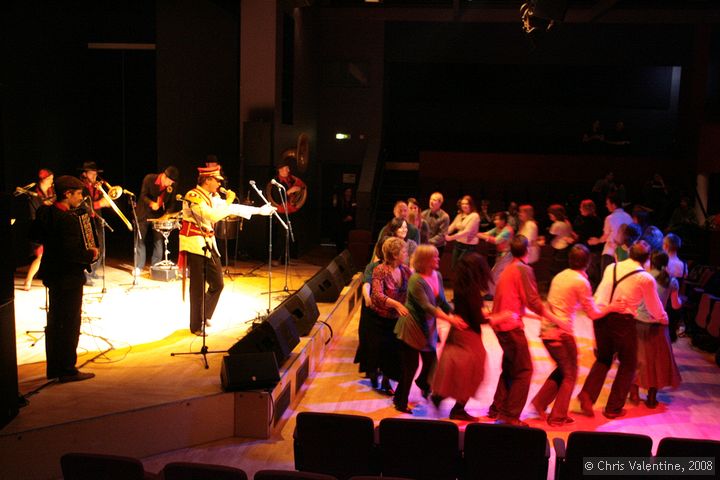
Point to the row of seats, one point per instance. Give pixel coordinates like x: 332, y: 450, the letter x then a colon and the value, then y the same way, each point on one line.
x: 329, y: 446
x: 90, y: 466
x: 347, y: 445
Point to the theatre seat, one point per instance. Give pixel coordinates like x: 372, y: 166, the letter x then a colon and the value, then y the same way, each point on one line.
x: 290, y: 475
x: 201, y: 471
x: 94, y: 466
x: 569, y: 461
x: 491, y: 451
x: 335, y: 444
x: 419, y: 449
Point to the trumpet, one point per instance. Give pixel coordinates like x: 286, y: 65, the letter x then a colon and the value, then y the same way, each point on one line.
x: 116, y: 191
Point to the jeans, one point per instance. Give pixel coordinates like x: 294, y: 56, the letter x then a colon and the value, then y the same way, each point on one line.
x: 559, y: 385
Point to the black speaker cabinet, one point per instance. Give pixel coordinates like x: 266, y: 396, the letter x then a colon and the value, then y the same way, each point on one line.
x: 327, y: 284
x: 303, y: 309
x: 345, y: 265
x: 277, y: 334
x: 249, y: 371
x: 8, y: 355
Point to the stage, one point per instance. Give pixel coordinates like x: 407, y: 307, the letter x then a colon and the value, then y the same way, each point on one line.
x: 144, y: 401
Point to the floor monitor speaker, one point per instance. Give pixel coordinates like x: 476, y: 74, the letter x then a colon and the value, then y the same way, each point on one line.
x: 327, y: 284
x: 303, y: 309
x: 249, y: 371
x: 276, y: 334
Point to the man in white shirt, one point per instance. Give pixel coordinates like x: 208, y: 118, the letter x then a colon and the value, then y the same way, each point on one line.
x: 617, y: 217
x: 626, y: 281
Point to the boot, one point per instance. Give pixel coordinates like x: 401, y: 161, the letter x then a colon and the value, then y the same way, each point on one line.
x: 651, y: 401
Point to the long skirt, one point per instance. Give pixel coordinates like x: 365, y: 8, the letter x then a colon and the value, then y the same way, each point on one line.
x: 656, y: 365
x: 461, y: 367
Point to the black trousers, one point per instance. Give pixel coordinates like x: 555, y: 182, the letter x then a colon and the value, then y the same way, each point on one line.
x: 213, y: 278
x: 614, y: 334
x: 409, y: 363
x: 63, y: 325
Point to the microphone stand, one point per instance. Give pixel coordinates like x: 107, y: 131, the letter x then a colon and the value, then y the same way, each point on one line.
x: 206, y: 249
x: 288, y: 237
x: 102, y: 262
x: 137, y: 237
x: 269, y: 292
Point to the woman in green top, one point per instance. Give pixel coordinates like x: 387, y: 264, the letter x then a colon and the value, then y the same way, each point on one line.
x: 417, y: 330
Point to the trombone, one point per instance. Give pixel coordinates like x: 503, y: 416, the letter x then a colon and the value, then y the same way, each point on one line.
x: 113, y: 193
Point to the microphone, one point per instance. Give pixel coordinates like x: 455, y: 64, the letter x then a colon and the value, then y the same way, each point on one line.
x: 222, y: 190
x: 128, y: 192
x: 252, y: 182
x: 277, y: 184
x: 178, y: 198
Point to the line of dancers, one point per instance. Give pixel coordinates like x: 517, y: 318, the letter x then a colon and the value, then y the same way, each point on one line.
x: 404, y: 298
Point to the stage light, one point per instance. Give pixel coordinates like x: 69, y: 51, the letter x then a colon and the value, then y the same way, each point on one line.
x: 342, y: 136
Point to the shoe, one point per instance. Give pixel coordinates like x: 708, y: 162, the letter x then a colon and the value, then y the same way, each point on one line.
x: 586, y: 405
x: 614, y: 415
x: 89, y: 282
x: 436, y: 400
x: 651, y: 401
x: 404, y: 409
x: 207, y: 323
x: 389, y: 391
x: 424, y: 390
x: 462, y: 415
x: 560, y: 422
x: 516, y: 422
x: 199, y: 333
x: 373, y: 380
x: 492, y: 413
x: 541, y: 414
x: 27, y: 286
x: 77, y: 377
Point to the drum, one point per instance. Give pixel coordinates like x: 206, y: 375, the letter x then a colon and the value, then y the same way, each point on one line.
x: 162, y: 225
x: 227, y: 228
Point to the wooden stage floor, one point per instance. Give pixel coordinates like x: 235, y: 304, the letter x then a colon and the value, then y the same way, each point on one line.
x: 127, y: 336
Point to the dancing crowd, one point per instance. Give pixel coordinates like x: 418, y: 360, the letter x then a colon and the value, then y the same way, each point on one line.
x: 633, y: 270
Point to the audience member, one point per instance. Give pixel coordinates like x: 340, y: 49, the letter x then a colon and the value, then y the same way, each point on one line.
x: 461, y: 367
x: 562, y: 235
x: 529, y: 230
x: 499, y: 236
x: 438, y: 222
x: 617, y: 217
x: 586, y: 226
x: 516, y: 290
x: 463, y: 230
x: 388, y: 294
x: 417, y: 329
x: 616, y: 333
x: 416, y: 219
x: 569, y: 291
x: 656, y: 367
x: 485, y: 216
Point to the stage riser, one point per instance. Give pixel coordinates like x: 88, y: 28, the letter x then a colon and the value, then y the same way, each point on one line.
x: 35, y: 454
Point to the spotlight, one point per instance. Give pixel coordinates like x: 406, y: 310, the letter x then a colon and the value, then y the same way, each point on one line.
x: 541, y: 15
